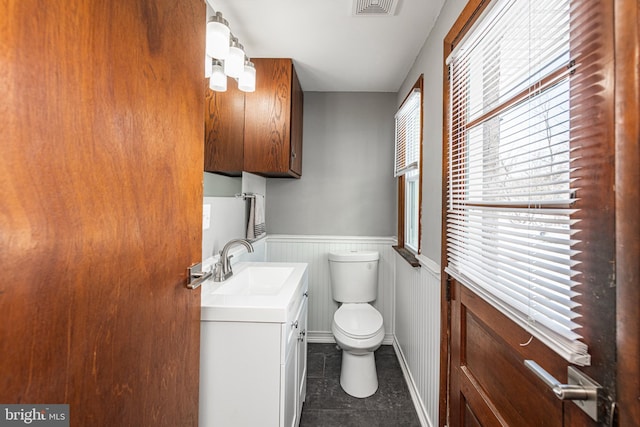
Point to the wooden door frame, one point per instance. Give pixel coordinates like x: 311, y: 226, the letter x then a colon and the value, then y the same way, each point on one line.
x: 627, y: 136
x: 627, y: 198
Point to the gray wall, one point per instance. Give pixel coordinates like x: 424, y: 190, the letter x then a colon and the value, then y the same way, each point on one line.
x: 430, y: 62
x: 219, y: 185
x: 347, y: 186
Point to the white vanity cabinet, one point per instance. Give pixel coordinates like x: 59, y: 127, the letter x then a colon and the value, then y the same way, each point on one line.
x: 253, y: 373
x: 295, y: 367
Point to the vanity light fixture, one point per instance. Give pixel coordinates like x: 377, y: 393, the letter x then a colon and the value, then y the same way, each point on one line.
x: 247, y: 80
x: 225, y: 57
x: 218, y: 36
x: 218, y: 79
x: 234, y: 62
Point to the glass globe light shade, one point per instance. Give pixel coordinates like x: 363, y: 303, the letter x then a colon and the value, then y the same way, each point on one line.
x: 218, y: 79
x: 234, y: 62
x: 247, y: 80
x: 218, y: 37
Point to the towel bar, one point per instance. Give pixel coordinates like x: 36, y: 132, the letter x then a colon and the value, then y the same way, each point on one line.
x: 245, y: 195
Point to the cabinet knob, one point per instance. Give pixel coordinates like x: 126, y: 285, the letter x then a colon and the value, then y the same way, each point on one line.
x: 306, y: 294
x: 294, y: 324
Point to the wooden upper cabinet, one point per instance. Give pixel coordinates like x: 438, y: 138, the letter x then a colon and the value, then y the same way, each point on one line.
x: 273, y: 120
x: 258, y: 132
x: 224, y: 130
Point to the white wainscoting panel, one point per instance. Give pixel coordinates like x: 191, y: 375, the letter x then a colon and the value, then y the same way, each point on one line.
x: 314, y: 250
x: 417, y: 331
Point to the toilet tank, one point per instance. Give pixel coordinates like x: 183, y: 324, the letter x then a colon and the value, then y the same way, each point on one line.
x: 354, y: 276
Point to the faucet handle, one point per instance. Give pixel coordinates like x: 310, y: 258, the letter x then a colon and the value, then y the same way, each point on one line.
x: 217, y: 272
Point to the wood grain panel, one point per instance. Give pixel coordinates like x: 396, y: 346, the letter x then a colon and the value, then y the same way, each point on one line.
x: 517, y: 396
x: 224, y: 130
x: 468, y: 418
x: 491, y: 377
x: 476, y: 402
x: 627, y: 136
x: 267, y: 135
x: 101, y: 192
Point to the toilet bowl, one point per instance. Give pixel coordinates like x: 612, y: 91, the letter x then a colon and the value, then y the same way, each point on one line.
x: 358, y: 331
x: 357, y: 326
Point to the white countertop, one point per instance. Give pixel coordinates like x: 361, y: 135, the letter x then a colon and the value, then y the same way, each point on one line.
x: 238, y: 299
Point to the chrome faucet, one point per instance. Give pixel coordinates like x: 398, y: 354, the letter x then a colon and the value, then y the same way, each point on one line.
x: 223, y: 269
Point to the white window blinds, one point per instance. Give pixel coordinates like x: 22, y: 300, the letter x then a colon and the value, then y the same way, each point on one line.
x: 511, y: 227
x: 407, y: 153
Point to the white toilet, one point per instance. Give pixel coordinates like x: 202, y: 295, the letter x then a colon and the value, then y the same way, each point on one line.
x: 357, y: 326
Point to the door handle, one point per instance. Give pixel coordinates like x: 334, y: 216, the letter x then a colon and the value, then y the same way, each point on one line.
x: 197, y: 276
x: 581, y: 389
x: 562, y: 391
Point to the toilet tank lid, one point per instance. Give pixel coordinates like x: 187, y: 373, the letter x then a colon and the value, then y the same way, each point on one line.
x: 353, y: 256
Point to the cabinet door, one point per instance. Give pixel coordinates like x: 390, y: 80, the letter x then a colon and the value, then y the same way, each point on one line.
x: 267, y: 134
x: 297, y: 102
x: 301, y: 373
x: 224, y: 129
x: 290, y: 415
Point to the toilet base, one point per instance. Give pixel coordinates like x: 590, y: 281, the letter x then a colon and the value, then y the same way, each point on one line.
x: 358, y: 376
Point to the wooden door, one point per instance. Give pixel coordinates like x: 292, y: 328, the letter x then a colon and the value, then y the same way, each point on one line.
x: 487, y: 383
x: 100, y: 208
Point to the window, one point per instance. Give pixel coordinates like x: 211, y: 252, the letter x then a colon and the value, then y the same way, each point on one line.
x: 408, y: 153
x: 523, y: 117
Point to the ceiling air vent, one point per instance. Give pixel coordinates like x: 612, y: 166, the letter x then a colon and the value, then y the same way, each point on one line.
x: 374, y: 7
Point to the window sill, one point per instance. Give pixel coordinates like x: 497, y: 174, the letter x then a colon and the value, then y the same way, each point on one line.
x: 408, y: 256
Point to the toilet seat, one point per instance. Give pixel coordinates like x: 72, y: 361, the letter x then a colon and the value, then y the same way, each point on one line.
x: 358, y: 321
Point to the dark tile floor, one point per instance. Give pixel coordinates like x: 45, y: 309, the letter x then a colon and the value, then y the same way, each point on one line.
x: 327, y: 405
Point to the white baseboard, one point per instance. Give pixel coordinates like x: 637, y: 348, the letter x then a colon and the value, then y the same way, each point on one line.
x: 320, y: 337
x: 388, y: 339
x: 413, y: 389
x: 327, y: 337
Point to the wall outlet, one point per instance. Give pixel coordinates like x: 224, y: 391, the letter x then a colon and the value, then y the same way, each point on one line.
x: 206, y: 217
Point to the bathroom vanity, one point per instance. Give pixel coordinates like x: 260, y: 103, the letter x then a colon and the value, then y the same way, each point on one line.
x: 253, y: 352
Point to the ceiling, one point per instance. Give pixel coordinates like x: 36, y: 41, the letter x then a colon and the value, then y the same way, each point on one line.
x: 333, y: 50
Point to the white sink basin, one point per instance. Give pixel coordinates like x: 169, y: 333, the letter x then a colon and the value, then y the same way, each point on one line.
x: 257, y: 292
x: 256, y: 280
